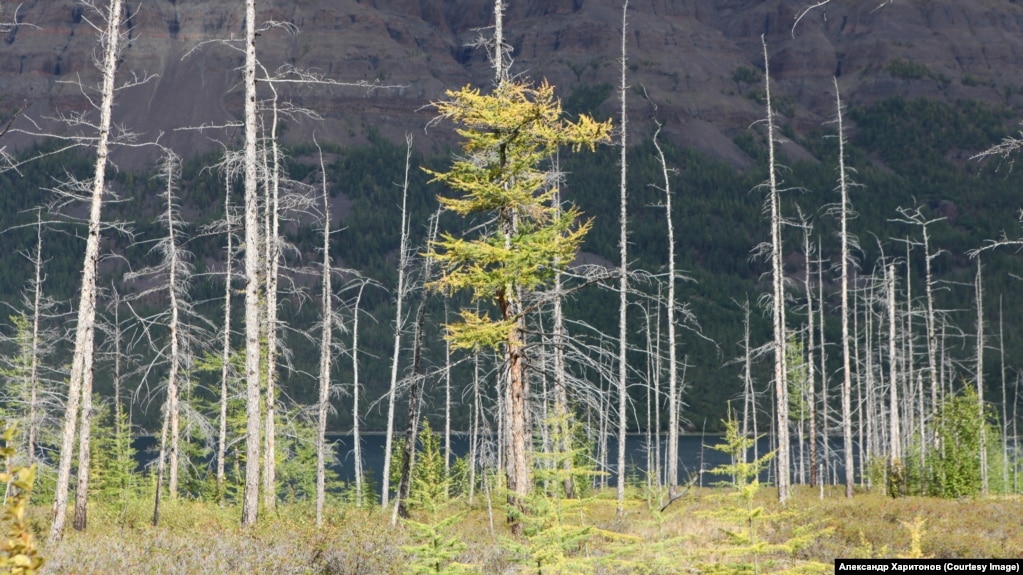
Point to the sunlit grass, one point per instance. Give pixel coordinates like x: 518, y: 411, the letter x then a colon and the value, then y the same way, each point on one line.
x: 197, y: 537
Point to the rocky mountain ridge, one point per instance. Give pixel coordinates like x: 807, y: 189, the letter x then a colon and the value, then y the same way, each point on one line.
x: 693, y: 64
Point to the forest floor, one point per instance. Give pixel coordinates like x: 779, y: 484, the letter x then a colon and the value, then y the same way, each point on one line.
x: 704, y: 532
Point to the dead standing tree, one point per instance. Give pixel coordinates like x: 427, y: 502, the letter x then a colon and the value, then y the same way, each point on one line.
x: 777, y: 296
x: 81, y: 365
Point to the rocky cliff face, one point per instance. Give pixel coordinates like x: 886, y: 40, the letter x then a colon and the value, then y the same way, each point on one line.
x: 693, y: 63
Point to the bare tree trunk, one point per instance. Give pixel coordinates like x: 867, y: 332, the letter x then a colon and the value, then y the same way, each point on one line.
x: 225, y: 350
x: 979, y: 285
x: 561, y: 411
x: 672, y: 341
x: 175, y: 336
x: 415, y: 398
x: 778, y: 300
x: 171, y: 404
x: 33, y: 377
x: 1015, y: 434
x: 271, y: 274
x: 749, y: 401
x: 931, y: 331
x: 915, y: 217
x: 866, y: 375
x: 1005, y: 407
x: 894, y: 430
x: 652, y: 391
x: 823, y: 357
x: 810, y: 371
x: 356, y: 437
x: 658, y: 462
x: 399, y: 323
x: 326, y: 331
x: 474, y: 434
x: 497, y: 58
x: 85, y: 329
x: 119, y: 428
x: 447, y: 400
x: 250, y: 497
x: 161, y: 468
x: 623, y: 287
x: 84, y: 455
x: 847, y: 445
x: 908, y: 358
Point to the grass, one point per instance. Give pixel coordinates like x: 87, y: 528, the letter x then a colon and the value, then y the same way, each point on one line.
x: 197, y: 537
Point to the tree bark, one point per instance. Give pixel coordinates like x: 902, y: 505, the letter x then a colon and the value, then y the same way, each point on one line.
x: 778, y: 303
x: 894, y: 428
x: 810, y: 371
x: 623, y: 284
x: 846, y: 369
x: 173, y: 411
x: 84, y: 456
x: 672, y: 341
x: 250, y: 496
x: 356, y: 437
x: 979, y: 285
x: 326, y: 331
x: 86, y: 325
x: 563, y: 435
x: 271, y: 275
x: 415, y: 399
x: 225, y: 350
x: 33, y: 376
x: 399, y: 324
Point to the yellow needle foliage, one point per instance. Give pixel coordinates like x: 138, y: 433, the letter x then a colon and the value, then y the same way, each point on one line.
x: 18, y: 553
x: 510, y: 136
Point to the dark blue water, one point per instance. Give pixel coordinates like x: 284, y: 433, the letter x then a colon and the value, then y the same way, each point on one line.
x: 696, y: 456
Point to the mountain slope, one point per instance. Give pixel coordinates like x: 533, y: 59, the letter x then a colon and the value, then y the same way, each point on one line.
x: 688, y: 56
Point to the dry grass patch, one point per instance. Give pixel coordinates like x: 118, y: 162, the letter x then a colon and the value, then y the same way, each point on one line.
x: 686, y: 538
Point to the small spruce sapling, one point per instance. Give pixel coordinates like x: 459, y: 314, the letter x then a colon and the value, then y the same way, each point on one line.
x: 745, y: 483
x: 437, y: 553
x: 748, y: 541
x: 430, y: 483
x: 113, y: 470
x: 554, y: 529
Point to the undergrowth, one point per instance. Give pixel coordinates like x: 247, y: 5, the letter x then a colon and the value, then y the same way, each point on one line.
x: 198, y: 537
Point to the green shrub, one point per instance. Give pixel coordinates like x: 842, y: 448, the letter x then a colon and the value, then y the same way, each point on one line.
x: 955, y: 463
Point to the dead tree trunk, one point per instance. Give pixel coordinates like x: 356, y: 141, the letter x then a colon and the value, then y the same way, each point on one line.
x: 894, y: 429
x: 415, y: 398
x: 326, y: 331
x: 623, y: 287
x: 399, y: 324
x: 85, y: 328
x: 778, y: 300
x: 84, y: 455
x: 250, y: 496
x: 847, y: 445
x: 356, y: 385
x: 673, y: 391
x: 225, y: 349
x: 271, y: 275
x: 979, y: 286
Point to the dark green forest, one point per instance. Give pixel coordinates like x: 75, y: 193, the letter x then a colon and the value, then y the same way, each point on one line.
x: 906, y: 153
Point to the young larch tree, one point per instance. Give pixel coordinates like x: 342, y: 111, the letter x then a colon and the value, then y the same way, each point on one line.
x: 509, y: 135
